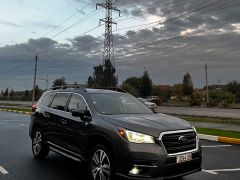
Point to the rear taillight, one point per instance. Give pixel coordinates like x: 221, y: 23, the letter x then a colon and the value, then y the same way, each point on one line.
x: 34, y: 107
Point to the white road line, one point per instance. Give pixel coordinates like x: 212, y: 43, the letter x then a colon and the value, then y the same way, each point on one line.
x: 209, y: 171
x: 216, y: 146
x: 3, y: 171
x: 220, y: 170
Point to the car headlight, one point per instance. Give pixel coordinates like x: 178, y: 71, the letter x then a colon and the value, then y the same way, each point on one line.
x: 135, y: 137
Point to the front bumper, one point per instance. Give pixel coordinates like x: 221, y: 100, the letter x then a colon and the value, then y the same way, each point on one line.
x: 153, y: 163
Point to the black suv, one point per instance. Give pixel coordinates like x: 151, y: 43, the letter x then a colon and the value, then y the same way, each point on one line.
x: 115, y: 133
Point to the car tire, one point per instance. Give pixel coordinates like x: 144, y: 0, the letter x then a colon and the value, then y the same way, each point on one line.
x: 101, y: 163
x: 39, y: 148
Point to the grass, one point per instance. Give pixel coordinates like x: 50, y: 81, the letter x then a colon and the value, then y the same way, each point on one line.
x: 219, y: 132
x: 211, y: 120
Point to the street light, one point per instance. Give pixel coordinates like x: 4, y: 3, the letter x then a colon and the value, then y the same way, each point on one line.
x: 35, y: 71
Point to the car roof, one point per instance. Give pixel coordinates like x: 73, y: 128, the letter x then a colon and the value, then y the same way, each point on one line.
x: 87, y: 90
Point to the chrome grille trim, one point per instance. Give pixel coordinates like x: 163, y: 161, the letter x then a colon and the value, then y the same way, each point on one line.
x: 177, y: 132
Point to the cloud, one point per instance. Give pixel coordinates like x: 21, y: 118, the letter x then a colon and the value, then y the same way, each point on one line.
x: 11, y: 24
x: 167, y: 51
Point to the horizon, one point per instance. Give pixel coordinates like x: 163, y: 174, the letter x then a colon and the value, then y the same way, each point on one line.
x: 166, y: 38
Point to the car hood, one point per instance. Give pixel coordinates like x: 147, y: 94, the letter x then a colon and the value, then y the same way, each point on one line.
x: 151, y: 124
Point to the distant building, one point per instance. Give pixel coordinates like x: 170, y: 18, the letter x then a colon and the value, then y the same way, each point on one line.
x: 165, y: 88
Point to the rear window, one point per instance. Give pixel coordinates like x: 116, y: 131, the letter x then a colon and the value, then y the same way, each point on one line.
x: 47, y: 99
x: 60, y: 101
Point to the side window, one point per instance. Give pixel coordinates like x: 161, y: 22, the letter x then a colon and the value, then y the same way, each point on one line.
x: 76, y: 103
x: 47, y: 99
x: 60, y: 101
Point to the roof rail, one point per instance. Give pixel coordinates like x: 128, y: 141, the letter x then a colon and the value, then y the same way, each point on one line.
x: 113, y: 89
x: 67, y: 86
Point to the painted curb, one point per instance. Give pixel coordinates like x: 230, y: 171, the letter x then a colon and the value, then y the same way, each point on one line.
x: 219, y: 139
x: 201, y: 136
x: 15, y: 111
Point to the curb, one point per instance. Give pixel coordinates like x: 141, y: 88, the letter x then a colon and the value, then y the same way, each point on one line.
x: 15, y: 111
x: 201, y: 136
x: 219, y: 139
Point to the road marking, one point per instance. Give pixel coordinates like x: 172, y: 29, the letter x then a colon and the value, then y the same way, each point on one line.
x: 215, y: 146
x: 3, y: 171
x: 209, y: 171
x: 220, y: 170
x: 23, y: 124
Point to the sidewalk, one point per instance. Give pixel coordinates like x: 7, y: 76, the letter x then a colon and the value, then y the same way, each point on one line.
x: 198, y: 111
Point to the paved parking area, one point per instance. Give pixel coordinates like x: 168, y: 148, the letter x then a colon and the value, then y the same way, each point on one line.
x: 220, y: 161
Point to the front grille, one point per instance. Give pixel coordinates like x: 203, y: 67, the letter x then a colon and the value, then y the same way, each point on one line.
x: 177, y: 142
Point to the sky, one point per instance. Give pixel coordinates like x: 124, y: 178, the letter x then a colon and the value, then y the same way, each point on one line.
x: 166, y: 37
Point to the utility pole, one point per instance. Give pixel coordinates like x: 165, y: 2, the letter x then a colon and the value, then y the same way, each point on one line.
x: 108, y: 54
x: 35, y: 72
x: 206, y: 74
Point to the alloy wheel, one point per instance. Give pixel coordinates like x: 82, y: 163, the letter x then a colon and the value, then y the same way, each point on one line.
x: 100, y: 165
x: 37, y: 143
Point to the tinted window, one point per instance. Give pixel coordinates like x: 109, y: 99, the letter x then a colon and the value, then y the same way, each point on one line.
x: 118, y: 103
x: 47, y: 99
x: 76, y: 102
x: 60, y: 101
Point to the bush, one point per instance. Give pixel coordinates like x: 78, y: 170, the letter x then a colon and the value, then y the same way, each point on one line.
x: 196, y: 99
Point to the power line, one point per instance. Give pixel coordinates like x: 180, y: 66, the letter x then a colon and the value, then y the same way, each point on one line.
x: 65, y: 53
x: 67, y: 19
x: 76, y: 23
x: 173, y: 18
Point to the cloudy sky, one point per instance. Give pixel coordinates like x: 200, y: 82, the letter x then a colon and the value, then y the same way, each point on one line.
x: 166, y: 37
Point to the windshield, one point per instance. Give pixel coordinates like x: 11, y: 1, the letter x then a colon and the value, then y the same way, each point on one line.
x: 118, y: 103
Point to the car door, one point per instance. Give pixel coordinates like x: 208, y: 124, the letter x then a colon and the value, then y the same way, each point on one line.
x: 77, y: 130
x: 57, y: 121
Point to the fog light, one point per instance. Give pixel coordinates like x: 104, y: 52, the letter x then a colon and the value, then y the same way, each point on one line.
x: 135, y: 170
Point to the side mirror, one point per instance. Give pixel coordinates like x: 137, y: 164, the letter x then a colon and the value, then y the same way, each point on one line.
x: 85, y: 115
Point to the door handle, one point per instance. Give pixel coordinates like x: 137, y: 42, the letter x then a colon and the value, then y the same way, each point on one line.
x: 64, y: 121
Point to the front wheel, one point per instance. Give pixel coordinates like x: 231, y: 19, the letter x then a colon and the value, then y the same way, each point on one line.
x: 39, y: 148
x: 101, y: 165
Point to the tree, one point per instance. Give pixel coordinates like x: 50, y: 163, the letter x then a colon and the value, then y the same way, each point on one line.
x: 104, y: 75
x: 177, y: 90
x: 135, y: 82
x: 59, y: 82
x: 130, y: 89
x: 6, y: 92
x: 187, y: 87
x: 90, y: 82
x: 12, y: 93
x: 2, y: 92
x: 146, y: 85
x: 234, y: 88
x: 26, y: 93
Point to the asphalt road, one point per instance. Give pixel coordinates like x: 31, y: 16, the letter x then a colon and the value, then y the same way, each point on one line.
x: 220, y: 161
x: 208, y: 112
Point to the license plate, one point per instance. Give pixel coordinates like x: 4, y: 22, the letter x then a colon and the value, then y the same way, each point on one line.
x: 184, y: 157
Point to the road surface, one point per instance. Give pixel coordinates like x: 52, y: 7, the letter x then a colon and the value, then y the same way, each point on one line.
x: 208, y: 112
x: 220, y: 161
